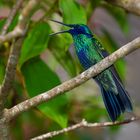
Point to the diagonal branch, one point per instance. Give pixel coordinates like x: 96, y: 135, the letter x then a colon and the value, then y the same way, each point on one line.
x: 11, y: 16
x: 78, y: 80
x: 7, y: 83
x: 11, y: 68
x: 132, y: 6
x: 24, y: 18
x: 83, y: 124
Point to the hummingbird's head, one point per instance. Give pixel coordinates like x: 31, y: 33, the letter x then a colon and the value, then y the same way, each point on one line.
x: 75, y: 29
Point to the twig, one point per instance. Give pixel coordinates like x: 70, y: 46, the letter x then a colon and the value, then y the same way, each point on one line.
x: 24, y: 18
x: 7, y: 83
x: 78, y: 80
x: 132, y: 6
x: 11, y: 16
x: 11, y: 68
x: 83, y: 124
x: 17, y: 32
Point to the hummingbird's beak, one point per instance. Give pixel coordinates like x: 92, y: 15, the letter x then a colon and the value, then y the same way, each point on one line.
x: 66, y: 31
x: 68, y: 25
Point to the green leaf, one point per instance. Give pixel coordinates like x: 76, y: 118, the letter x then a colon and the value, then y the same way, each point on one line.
x: 111, y: 46
x: 57, y: 46
x: 120, y: 15
x: 35, y: 42
x: 72, y: 12
x: 40, y: 78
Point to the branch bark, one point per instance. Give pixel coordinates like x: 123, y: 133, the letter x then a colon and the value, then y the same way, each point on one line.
x: 78, y: 80
x: 22, y: 23
x: 11, y: 68
x: 11, y: 16
x: 132, y: 6
x: 83, y: 124
x: 6, y: 85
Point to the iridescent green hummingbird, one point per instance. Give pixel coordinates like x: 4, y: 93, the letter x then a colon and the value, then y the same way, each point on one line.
x: 90, y: 51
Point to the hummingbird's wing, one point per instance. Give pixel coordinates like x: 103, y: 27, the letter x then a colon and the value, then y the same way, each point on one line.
x: 115, y: 103
x: 104, y: 54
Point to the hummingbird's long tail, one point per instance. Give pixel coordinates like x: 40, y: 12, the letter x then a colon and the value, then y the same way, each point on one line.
x: 116, y: 103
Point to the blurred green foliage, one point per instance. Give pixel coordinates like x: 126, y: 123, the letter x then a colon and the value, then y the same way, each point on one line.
x: 72, y: 12
x: 58, y: 44
x: 34, y: 76
x: 40, y: 78
x: 35, y: 42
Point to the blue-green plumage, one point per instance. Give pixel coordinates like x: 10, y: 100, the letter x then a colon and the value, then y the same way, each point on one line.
x: 90, y: 51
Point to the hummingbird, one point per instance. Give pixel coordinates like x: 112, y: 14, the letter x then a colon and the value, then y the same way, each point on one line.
x: 90, y: 51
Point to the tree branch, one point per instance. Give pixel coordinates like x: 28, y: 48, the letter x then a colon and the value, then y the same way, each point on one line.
x: 7, y: 84
x: 78, y: 80
x: 83, y: 124
x: 132, y: 6
x: 11, y: 16
x: 11, y: 68
x: 22, y: 23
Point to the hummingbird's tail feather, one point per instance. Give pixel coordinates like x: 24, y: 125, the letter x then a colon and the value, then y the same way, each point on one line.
x: 124, y: 96
x: 113, y: 103
x: 116, y: 103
